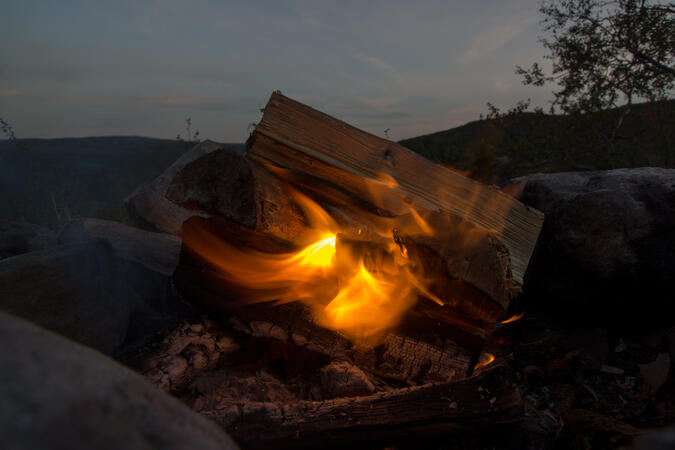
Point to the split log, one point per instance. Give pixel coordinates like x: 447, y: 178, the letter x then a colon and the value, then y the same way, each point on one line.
x: 148, y: 206
x: 479, y: 402
x: 477, y: 257
x: 225, y: 184
x: 297, y: 137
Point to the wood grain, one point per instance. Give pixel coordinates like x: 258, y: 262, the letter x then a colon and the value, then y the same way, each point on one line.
x: 296, y: 136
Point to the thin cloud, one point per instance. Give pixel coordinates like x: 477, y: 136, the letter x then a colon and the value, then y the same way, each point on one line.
x: 10, y: 93
x: 195, y: 101
x: 380, y: 65
x: 311, y: 21
x: 501, y: 85
x: 374, y: 109
x: 495, y: 37
x: 380, y: 115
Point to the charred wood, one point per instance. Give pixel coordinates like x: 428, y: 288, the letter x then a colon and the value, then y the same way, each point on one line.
x: 483, y: 401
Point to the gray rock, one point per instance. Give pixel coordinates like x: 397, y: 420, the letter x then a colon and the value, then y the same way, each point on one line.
x: 148, y: 204
x: 158, y: 252
x: 607, y: 245
x: 17, y: 238
x: 57, y: 394
x: 147, y: 262
x: 77, y: 290
x: 656, y: 439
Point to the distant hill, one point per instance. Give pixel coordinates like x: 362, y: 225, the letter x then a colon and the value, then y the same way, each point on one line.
x: 498, y: 149
x: 49, y: 181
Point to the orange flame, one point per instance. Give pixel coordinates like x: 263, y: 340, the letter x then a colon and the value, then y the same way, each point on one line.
x: 484, y: 360
x: 360, y: 286
x: 512, y: 319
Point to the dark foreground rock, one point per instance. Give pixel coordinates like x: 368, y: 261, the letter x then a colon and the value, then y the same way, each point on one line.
x: 77, y: 290
x: 106, y: 285
x: 607, y: 246
x: 659, y: 439
x: 57, y: 394
x: 17, y: 238
x: 147, y: 262
x: 148, y: 204
x: 155, y: 251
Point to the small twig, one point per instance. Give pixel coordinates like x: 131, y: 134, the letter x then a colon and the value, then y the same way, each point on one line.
x: 588, y: 388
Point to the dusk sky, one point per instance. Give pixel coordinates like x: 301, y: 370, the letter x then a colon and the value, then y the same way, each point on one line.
x: 73, y: 68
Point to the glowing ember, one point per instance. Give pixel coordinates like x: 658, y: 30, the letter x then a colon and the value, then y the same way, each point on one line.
x: 512, y: 319
x: 484, y: 360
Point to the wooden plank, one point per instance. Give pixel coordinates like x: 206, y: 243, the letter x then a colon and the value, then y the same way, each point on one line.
x: 296, y: 136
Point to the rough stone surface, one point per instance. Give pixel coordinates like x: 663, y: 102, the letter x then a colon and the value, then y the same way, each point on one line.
x: 607, y: 245
x: 17, y: 238
x: 158, y: 252
x: 659, y: 439
x: 148, y: 204
x: 57, y: 394
x: 77, y: 290
x: 147, y: 262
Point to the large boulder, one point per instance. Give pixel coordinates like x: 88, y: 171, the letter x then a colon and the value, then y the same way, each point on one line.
x: 148, y: 204
x: 147, y: 262
x: 78, y: 290
x: 17, y: 238
x: 57, y: 394
x: 607, y: 246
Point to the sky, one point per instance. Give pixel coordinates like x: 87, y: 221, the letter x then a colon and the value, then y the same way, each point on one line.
x: 73, y: 68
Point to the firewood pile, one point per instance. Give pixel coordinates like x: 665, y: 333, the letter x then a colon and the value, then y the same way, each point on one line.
x: 358, y: 281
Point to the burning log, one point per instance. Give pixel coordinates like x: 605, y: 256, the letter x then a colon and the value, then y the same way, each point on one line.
x: 479, y: 402
x: 325, y: 214
x: 473, y: 242
x: 297, y: 137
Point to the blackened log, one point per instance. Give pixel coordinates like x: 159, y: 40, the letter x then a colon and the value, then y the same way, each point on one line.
x: 477, y: 403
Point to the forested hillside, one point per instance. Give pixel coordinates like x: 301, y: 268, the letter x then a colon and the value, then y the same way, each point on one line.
x: 511, y: 145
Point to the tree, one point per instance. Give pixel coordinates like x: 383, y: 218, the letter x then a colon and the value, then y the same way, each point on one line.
x: 7, y: 130
x: 605, y: 53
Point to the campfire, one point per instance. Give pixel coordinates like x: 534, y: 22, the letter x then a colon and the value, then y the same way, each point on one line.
x: 354, y: 253
x: 358, y: 280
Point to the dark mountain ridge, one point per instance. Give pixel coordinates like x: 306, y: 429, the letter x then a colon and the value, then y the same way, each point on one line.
x: 50, y: 181
x: 497, y: 149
